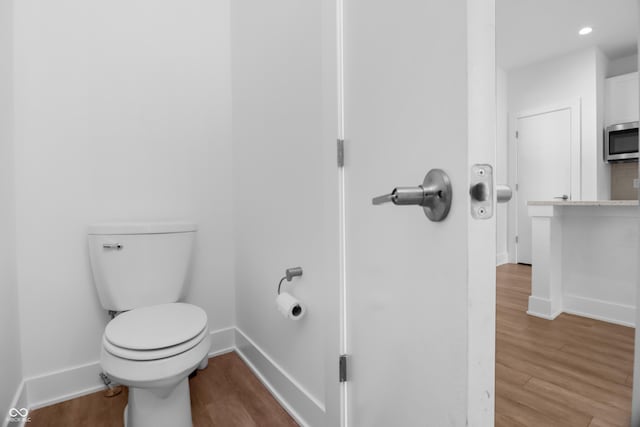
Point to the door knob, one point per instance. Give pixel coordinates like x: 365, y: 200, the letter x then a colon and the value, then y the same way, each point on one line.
x: 563, y: 197
x: 503, y: 193
x: 434, y: 195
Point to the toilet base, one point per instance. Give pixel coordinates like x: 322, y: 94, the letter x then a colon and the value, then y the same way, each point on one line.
x: 203, y: 365
x: 159, y: 407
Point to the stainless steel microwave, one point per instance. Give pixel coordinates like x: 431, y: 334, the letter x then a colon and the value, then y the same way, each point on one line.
x: 621, y: 142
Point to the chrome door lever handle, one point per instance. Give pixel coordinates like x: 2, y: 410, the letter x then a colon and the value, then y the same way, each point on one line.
x: 563, y: 197
x: 382, y: 199
x: 401, y: 196
x: 434, y: 195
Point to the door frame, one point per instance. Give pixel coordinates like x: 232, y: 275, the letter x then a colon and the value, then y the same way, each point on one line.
x: 574, y: 106
x: 481, y: 234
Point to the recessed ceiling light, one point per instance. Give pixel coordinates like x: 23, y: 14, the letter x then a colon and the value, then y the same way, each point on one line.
x: 584, y: 31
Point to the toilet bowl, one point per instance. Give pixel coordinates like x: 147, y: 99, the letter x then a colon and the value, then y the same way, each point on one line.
x: 140, y: 270
x: 152, y: 350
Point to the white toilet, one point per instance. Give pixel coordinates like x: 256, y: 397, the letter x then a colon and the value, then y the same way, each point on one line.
x: 140, y: 269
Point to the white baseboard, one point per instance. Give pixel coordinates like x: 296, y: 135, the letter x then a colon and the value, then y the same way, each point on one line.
x: 544, y: 316
x: 222, y: 341
x: 600, y: 310
x: 290, y: 394
x: 19, y: 401
x: 65, y: 384
x: 502, y: 258
x: 540, y: 307
x: 58, y: 386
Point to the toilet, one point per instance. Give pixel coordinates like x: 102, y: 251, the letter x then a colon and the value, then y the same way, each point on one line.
x: 154, y: 342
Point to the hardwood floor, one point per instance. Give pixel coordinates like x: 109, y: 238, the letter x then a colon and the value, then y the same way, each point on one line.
x: 226, y: 394
x: 571, y: 371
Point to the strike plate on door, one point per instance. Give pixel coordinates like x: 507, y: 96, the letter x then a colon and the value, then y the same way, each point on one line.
x: 481, y: 191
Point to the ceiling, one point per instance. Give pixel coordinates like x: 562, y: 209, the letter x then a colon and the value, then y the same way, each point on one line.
x: 529, y: 31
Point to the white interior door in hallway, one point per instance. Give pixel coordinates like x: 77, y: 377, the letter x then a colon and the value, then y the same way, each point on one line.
x: 420, y: 294
x: 544, y: 166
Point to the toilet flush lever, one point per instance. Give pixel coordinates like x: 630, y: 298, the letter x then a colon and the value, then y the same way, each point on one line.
x: 116, y: 246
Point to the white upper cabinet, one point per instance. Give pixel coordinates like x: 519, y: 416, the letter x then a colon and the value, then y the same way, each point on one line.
x: 621, y: 99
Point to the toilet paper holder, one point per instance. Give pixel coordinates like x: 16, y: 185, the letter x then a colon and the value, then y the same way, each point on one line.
x: 289, y: 274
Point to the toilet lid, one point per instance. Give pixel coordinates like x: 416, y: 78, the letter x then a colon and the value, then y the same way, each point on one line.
x: 156, y: 327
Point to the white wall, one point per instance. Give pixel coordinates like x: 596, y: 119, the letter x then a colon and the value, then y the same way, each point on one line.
x: 556, y: 82
x: 10, y: 363
x: 502, y: 177
x: 624, y: 65
x: 285, y: 187
x: 578, y: 76
x: 122, y: 113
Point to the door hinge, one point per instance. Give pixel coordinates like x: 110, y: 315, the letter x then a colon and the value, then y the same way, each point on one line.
x: 516, y: 239
x: 517, y: 187
x: 343, y: 367
x: 340, y: 153
x: 517, y: 134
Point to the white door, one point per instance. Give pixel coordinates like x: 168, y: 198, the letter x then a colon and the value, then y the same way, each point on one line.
x: 543, y: 167
x: 419, y: 84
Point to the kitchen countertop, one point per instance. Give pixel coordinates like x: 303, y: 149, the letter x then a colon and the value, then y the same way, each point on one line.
x: 584, y: 203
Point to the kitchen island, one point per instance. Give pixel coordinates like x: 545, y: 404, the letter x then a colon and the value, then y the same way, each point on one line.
x: 585, y: 257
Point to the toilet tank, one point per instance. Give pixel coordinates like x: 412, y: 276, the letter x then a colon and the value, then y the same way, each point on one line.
x: 140, y: 264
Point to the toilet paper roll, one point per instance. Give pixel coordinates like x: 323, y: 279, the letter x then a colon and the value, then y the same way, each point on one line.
x: 290, y: 307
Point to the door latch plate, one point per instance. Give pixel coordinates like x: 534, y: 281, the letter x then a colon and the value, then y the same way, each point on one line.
x: 481, y: 191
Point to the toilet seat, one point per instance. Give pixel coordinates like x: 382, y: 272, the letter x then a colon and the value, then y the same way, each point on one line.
x: 155, y: 332
x: 160, y: 353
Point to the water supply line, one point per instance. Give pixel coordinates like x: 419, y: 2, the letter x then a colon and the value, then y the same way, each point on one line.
x: 111, y: 390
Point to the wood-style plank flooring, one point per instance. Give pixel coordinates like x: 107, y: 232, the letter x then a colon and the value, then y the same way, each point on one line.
x: 571, y: 371
x: 226, y: 394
